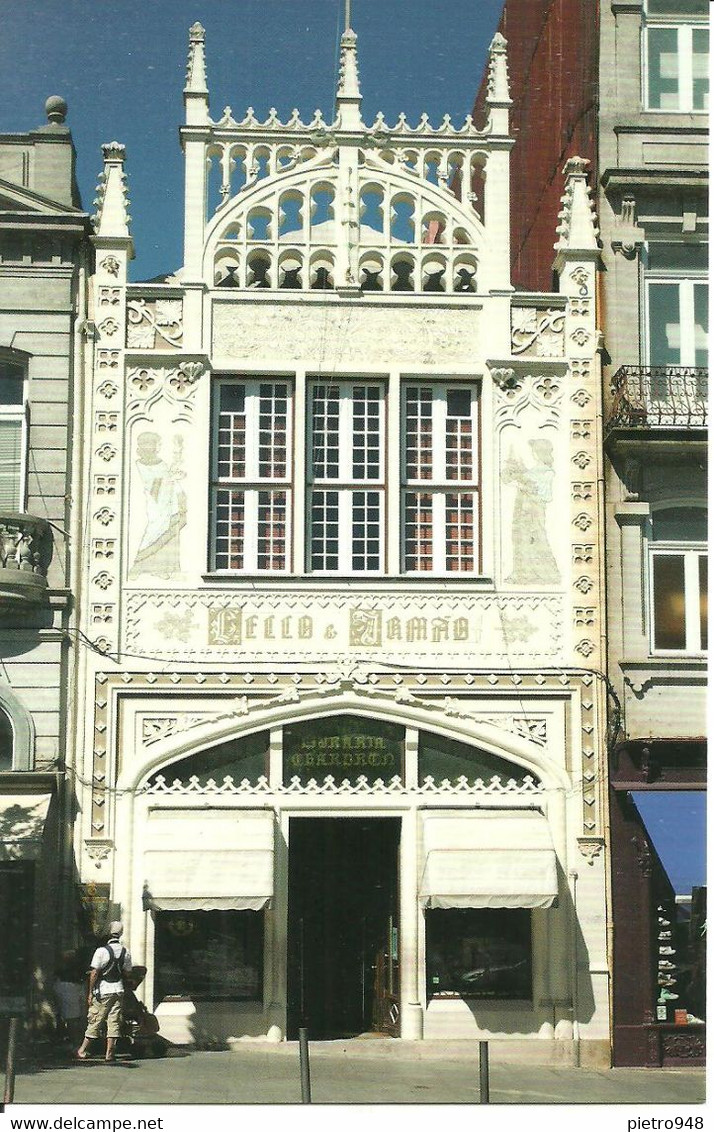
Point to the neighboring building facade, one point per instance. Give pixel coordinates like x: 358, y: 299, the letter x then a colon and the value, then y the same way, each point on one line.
x: 654, y: 217
x: 344, y: 719
x: 43, y: 270
x: 626, y: 83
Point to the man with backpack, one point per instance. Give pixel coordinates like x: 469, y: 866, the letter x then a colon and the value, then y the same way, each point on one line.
x: 110, y: 963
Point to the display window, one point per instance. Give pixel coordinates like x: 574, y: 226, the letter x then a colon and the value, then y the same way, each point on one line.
x: 479, y: 953
x: 344, y: 747
x: 208, y: 956
x: 447, y: 759
x: 245, y: 758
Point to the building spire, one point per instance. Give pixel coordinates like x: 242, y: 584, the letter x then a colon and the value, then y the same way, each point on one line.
x: 195, y: 92
x: 577, y: 228
x: 498, y: 97
x: 349, y: 97
x: 112, y: 216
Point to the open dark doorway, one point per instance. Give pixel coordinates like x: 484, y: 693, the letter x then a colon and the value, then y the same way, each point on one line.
x: 342, y: 926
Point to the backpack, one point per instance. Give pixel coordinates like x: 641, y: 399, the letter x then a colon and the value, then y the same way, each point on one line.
x: 112, y: 971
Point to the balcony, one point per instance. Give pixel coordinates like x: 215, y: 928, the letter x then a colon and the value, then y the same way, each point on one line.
x: 25, y: 552
x: 658, y: 399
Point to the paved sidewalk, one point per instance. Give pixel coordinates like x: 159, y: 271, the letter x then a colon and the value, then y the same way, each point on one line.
x: 261, y: 1074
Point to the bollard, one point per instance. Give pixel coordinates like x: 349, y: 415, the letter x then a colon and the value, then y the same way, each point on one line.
x: 304, y: 1066
x: 483, y: 1073
x: 9, y: 1094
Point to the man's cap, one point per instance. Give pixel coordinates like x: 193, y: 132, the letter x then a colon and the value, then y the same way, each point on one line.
x: 116, y: 928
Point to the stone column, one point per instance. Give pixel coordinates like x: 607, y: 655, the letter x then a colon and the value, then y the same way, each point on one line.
x: 411, y: 1009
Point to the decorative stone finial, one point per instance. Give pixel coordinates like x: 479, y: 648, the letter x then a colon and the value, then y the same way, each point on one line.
x: 196, y: 66
x: 56, y: 110
x: 577, y: 228
x: 497, y: 89
x: 112, y: 216
x: 349, y: 97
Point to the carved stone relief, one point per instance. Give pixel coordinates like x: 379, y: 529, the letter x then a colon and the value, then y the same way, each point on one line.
x: 154, y: 324
x: 375, y: 335
x: 537, y: 332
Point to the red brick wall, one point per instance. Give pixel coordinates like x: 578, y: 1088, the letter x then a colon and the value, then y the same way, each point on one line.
x: 553, y: 63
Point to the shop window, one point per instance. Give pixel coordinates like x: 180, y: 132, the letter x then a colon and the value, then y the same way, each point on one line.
x: 676, y: 49
x: 479, y: 953
x: 346, y: 477
x: 678, y: 580
x: 447, y: 759
x: 251, y: 475
x: 440, y: 500
x: 13, y: 436
x: 344, y: 747
x: 16, y: 907
x: 209, y: 956
x: 242, y: 758
x: 7, y: 741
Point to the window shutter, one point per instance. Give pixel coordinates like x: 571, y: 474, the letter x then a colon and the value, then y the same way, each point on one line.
x: 10, y: 464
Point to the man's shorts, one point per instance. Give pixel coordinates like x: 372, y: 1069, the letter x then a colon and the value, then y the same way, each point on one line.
x: 107, y: 1009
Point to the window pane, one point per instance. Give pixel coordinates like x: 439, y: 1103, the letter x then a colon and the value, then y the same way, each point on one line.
x: 700, y: 69
x: 230, y: 529
x: 273, y: 431
x: 10, y: 464
x: 343, y: 746
x: 11, y: 384
x: 460, y: 532
x: 703, y: 601
x: 669, y: 608
x: 366, y: 427
x: 16, y: 910
x: 701, y: 324
x: 680, y: 524
x: 419, y: 456
x: 459, y: 435
x: 441, y: 758
x: 662, y: 256
x: 325, y: 530
x: 662, y: 69
x: 325, y: 432
x: 231, y: 432
x: 272, y: 530
x: 665, y: 329
x: 479, y: 952
x: 677, y: 7
x: 246, y: 757
x: 418, y: 531
x: 366, y: 530
x: 209, y: 955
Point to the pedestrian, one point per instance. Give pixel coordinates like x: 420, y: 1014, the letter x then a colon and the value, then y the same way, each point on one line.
x: 70, y: 997
x: 110, y: 963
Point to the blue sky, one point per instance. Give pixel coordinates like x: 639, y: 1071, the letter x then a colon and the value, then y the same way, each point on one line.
x: 121, y: 66
x: 676, y: 822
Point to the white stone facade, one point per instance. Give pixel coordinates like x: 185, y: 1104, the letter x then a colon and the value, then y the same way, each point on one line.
x: 205, y: 633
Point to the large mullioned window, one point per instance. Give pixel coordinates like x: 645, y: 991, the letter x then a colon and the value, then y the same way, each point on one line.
x: 345, y: 500
x: 440, y: 474
x: 252, y: 469
x: 346, y: 477
x: 676, y: 56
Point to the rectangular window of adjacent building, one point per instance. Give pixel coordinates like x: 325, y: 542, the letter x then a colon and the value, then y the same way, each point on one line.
x: 252, y: 475
x: 479, y: 953
x: 13, y: 433
x: 208, y: 956
x: 676, y: 57
x: 440, y: 478
x: 346, y: 477
x: 678, y: 580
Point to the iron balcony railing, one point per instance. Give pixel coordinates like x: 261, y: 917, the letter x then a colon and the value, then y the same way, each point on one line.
x: 658, y: 397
